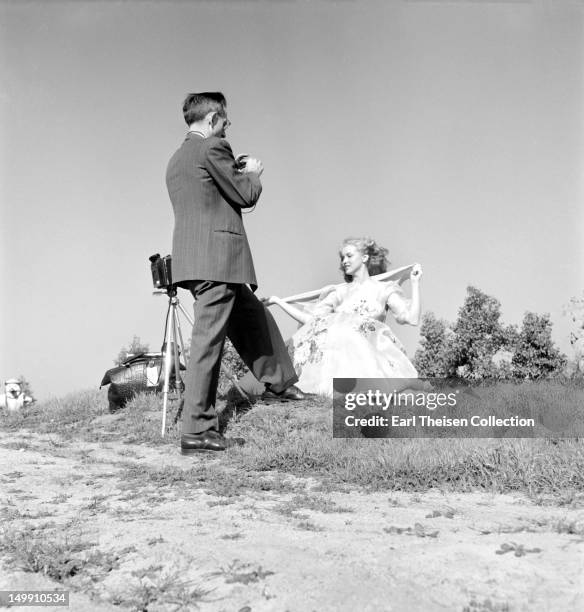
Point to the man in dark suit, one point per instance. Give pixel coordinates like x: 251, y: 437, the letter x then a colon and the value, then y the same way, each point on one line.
x: 211, y: 258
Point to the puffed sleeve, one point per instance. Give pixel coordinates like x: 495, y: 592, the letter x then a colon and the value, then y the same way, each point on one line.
x: 328, y: 303
x: 396, y: 301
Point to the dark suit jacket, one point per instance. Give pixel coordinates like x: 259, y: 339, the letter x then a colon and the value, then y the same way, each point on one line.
x: 207, y: 195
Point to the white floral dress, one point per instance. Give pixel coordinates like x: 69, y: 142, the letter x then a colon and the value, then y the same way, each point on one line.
x: 348, y: 338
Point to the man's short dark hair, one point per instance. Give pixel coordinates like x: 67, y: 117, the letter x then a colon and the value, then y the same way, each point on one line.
x: 197, y: 105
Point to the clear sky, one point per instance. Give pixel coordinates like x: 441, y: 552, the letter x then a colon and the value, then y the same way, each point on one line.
x: 450, y: 131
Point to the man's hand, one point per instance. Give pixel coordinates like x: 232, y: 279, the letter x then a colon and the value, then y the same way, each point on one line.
x: 253, y: 165
x: 240, y: 161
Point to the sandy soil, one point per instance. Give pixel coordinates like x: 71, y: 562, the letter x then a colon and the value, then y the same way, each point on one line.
x: 263, y: 551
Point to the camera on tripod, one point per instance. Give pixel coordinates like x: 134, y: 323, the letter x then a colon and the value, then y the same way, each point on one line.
x: 161, y: 268
x: 173, y: 346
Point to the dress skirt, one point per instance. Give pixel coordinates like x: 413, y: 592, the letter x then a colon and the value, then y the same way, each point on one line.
x: 346, y: 345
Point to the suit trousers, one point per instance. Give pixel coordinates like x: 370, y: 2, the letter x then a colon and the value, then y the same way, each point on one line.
x: 229, y: 310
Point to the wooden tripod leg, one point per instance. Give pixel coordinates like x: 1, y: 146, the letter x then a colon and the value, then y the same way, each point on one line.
x: 166, y: 364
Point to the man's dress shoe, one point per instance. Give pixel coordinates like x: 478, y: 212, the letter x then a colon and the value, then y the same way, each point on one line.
x: 291, y: 394
x: 207, y: 441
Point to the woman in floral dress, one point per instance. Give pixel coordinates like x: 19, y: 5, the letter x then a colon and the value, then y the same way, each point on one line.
x: 345, y: 335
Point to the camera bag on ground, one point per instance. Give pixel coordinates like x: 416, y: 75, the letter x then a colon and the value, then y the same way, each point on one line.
x: 140, y: 373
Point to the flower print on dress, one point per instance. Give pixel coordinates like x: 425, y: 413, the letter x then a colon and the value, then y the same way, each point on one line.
x: 366, y: 326
x: 309, y: 348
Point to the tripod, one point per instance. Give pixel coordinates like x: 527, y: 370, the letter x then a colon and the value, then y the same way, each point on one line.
x: 170, y: 350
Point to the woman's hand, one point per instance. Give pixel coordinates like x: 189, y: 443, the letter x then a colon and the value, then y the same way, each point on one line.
x: 296, y: 313
x: 269, y: 301
x: 416, y: 273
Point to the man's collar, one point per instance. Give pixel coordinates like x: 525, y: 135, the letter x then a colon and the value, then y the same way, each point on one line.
x: 192, y: 133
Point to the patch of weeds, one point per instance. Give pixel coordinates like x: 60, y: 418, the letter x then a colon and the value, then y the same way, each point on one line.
x: 155, y: 498
x: 315, y: 503
x: 15, y: 445
x: 126, y: 465
x: 60, y: 498
x: 47, y: 525
x: 221, y: 502
x: 60, y: 454
x: 250, y: 516
x: 13, y: 476
x: 569, y: 527
x: 517, y: 549
x: 216, y: 479
x: 233, y: 484
x: 66, y: 559
x: 98, y: 563
x: 39, y: 515
x: 158, y: 588
x: 290, y: 510
x: 105, y: 475
x: 486, y: 606
x: 58, y: 559
x: 136, y: 475
x: 87, y: 458
x: 10, y: 513
x: 569, y: 498
x: 417, y: 530
x: 243, y: 573
x: 330, y: 486
x: 126, y: 514
x: 129, y: 495
x: 128, y: 452
x: 96, y: 504
x: 449, y: 513
x: 55, y: 443
x: 154, y: 541
x: 232, y: 536
x: 309, y: 526
x: 517, y: 529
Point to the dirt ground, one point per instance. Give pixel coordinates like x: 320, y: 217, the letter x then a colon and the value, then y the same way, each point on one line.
x: 174, y: 546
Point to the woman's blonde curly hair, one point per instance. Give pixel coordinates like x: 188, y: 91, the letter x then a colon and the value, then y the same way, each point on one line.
x: 377, y: 262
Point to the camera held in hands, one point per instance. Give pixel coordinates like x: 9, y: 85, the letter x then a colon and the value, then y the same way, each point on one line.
x: 240, y: 162
x: 161, y: 268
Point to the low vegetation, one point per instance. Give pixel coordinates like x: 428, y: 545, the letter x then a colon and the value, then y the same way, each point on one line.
x: 296, y: 439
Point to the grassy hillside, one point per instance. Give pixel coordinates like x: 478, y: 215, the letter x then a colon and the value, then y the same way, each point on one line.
x: 296, y: 438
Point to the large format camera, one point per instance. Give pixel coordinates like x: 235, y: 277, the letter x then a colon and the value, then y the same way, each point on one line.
x: 161, y: 271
